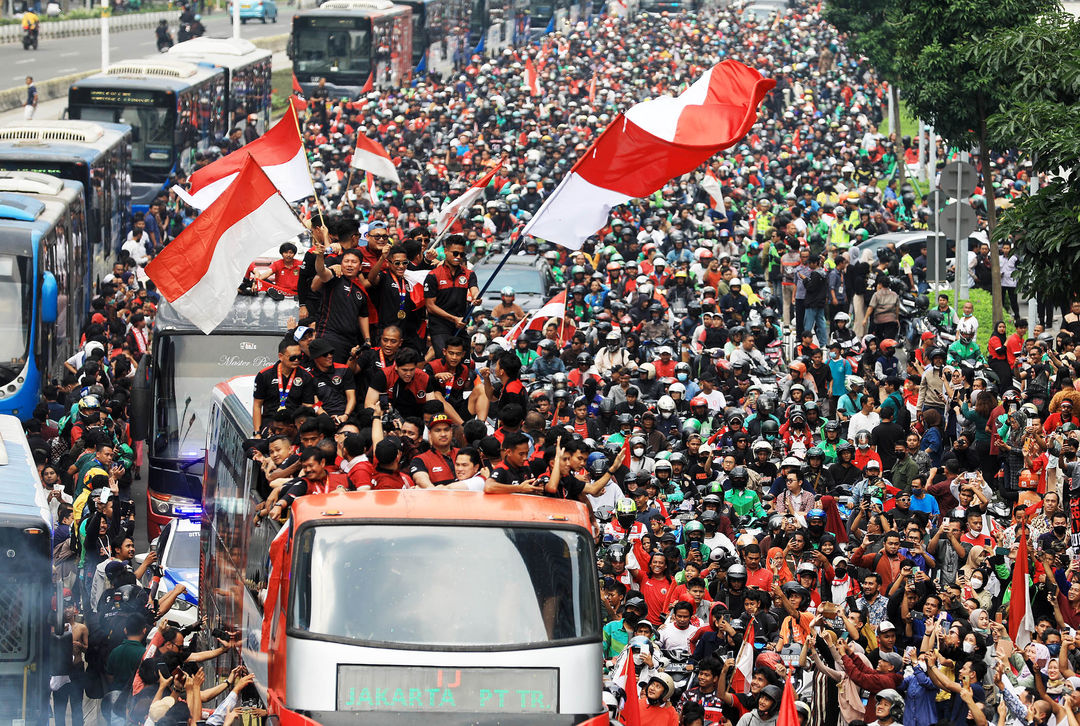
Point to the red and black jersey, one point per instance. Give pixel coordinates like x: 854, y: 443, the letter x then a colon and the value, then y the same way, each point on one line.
x: 506, y: 474
x: 464, y: 379
x: 408, y: 398
x: 343, y: 304
x: 330, y: 387
x: 392, y: 296
x: 449, y: 288
x: 439, y: 468
x: 514, y: 392
x: 279, y: 392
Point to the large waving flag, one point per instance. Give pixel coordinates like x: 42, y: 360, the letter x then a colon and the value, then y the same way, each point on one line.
x: 644, y: 148
x: 199, y: 271
x: 280, y: 153
x: 1021, y: 621
x: 370, y: 156
x: 744, y: 662
x: 456, y: 208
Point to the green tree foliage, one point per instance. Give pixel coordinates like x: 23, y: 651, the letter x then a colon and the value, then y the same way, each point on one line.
x: 1035, y: 69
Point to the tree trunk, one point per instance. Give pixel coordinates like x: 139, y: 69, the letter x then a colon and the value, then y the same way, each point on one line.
x: 894, y: 124
x: 991, y: 217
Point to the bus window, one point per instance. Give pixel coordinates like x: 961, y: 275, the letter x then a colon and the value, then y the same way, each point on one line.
x: 339, y: 48
x: 348, y: 585
x: 16, y: 295
x: 151, y: 136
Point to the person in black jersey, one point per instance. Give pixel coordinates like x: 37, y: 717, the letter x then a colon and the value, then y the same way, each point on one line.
x: 333, y: 381
x: 343, y: 315
x: 284, y: 386
x: 507, y: 368
x: 448, y: 290
x: 364, y: 363
x: 398, y: 301
x: 513, y: 474
x: 452, y: 375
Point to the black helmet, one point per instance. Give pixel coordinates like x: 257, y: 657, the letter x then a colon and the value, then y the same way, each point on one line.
x: 638, y: 603
x: 624, y: 419
x: 607, y: 406
x: 937, y: 353
x: 598, y: 468
x: 584, y: 359
x: 847, y: 447
x: 770, y: 427
x: 616, y: 553
x: 739, y: 474
x: 815, y: 452
x: 794, y: 588
x: 832, y: 426
x: 678, y: 458
x: 577, y: 290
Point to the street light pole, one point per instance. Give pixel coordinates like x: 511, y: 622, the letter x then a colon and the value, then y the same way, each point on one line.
x: 236, y: 19
x: 104, y: 35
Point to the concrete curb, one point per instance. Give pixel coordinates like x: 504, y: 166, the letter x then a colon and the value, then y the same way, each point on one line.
x: 12, y: 98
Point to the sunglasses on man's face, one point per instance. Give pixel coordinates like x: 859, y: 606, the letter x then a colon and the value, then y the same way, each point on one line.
x: 294, y: 358
x: 378, y: 236
x: 452, y: 253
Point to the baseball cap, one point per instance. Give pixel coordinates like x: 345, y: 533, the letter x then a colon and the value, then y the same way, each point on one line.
x: 873, y: 464
x: 440, y: 418
x: 320, y: 347
x: 301, y: 331
x: 896, y: 662
x: 885, y: 626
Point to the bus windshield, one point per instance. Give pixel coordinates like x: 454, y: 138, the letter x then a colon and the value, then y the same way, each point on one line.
x: 151, y: 130
x: 432, y: 585
x: 333, y: 46
x: 188, y: 368
x: 16, y: 304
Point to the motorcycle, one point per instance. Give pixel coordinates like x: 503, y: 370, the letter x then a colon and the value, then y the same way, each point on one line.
x: 30, y: 38
x: 164, y: 36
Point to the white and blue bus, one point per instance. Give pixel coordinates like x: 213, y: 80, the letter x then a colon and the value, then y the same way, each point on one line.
x: 174, y: 108
x: 44, y: 283
x: 97, y: 155
x: 247, y: 74
x: 25, y: 583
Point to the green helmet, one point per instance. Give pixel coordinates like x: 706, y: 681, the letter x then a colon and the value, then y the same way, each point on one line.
x: 577, y: 269
x: 691, y: 426
x: 625, y: 506
x: 716, y: 488
x: 662, y: 456
x: 693, y: 526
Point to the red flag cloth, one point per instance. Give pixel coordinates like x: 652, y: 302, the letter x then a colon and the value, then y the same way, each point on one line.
x: 296, y: 86
x: 744, y: 663
x: 537, y: 319
x: 592, y: 90
x: 532, y: 80
x: 1021, y: 621
x: 280, y: 153
x: 652, y: 143
x: 626, y: 678
x: 200, y: 270
x: 369, y: 84
x: 456, y: 208
x: 788, y: 715
x: 370, y: 155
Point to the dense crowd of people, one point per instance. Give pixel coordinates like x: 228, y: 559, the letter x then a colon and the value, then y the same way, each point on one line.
x: 801, y: 462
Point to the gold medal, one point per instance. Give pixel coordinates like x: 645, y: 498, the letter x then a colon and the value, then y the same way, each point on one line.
x: 401, y: 314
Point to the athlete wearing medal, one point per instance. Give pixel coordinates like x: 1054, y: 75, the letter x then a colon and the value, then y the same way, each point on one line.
x: 284, y: 385
x: 398, y: 301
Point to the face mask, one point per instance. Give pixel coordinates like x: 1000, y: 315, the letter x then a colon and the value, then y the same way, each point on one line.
x: 975, y: 529
x: 682, y: 377
x: 969, y: 647
x: 976, y: 584
x: 1054, y: 648
x: 834, y: 355
x: 1059, y: 531
x: 639, y: 452
x: 840, y: 572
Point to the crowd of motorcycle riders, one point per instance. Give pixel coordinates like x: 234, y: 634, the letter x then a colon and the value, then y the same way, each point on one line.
x: 785, y: 435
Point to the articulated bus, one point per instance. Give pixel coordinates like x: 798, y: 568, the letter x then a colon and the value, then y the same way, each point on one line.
x: 247, y: 74
x: 172, y: 386
x: 500, y: 23
x: 399, y: 607
x: 440, y: 33
x: 174, y: 108
x: 25, y: 583
x: 348, y: 41
x: 97, y: 155
x: 44, y: 283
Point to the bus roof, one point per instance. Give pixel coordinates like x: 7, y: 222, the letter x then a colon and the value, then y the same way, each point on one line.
x: 358, y: 8
x: 170, y: 75
x: 32, y: 214
x: 21, y: 496
x: 440, y: 504
x: 227, y: 53
x: 62, y: 139
x: 247, y: 315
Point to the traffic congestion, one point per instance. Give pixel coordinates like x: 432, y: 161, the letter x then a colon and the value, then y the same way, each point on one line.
x: 741, y: 459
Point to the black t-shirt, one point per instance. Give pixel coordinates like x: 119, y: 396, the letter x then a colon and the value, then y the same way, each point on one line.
x: 506, y: 474
x: 368, y: 363
x: 295, y: 391
x: 331, y: 385
x: 570, y: 487
x: 392, y: 297
x: 449, y: 290
x: 342, y: 305
x: 407, y: 398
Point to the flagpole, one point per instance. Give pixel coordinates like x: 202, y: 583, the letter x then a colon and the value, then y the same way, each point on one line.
x: 307, y: 165
x: 494, y: 274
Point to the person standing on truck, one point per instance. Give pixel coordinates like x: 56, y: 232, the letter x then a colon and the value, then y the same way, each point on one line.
x: 284, y: 386
x: 343, y: 311
x: 435, y: 467
x: 333, y: 382
x: 448, y: 290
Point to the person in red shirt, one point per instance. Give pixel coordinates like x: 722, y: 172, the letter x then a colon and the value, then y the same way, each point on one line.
x: 386, y: 474
x: 285, y: 272
x: 315, y: 479
x: 1062, y: 416
x: 1015, y: 342
x: 654, y: 582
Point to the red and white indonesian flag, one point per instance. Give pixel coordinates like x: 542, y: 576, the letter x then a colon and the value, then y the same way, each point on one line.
x: 199, y: 271
x: 644, y: 148
x: 744, y: 663
x: 712, y: 186
x: 532, y: 79
x: 626, y: 679
x: 1021, y: 621
x: 369, y: 188
x: 456, y: 208
x: 553, y: 308
x: 371, y: 156
x: 280, y: 153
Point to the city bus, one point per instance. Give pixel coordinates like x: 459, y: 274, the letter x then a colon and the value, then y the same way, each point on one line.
x: 174, y: 108
x: 349, y: 41
x: 430, y: 41
x: 97, y: 155
x: 500, y: 23
x: 171, y: 392
x: 25, y: 583
x: 247, y: 74
x: 395, y: 607
x: 44, y: 283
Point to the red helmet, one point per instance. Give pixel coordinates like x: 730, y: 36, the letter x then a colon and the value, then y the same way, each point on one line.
x: 798, y: 366
x: 698, y: 401
x: 887, y: 343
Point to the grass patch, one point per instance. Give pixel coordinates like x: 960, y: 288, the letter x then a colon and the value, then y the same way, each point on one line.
x: 909, y: 125
x: 281, y: 89
x: 984, y: 313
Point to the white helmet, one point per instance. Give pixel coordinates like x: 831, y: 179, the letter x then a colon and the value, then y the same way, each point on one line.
x: 646, y: 288
x: 479, y: 339
x: 677, y: 388
x: 648, y: 371
x: 666, y: 404
x: 842, y: 318
x: 966, y: 328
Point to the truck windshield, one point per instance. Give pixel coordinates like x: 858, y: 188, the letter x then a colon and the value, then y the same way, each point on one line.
x: 188, y: 368
x: 433, y: 585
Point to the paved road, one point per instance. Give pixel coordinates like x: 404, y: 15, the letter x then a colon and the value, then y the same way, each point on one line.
x: 63, y: 56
